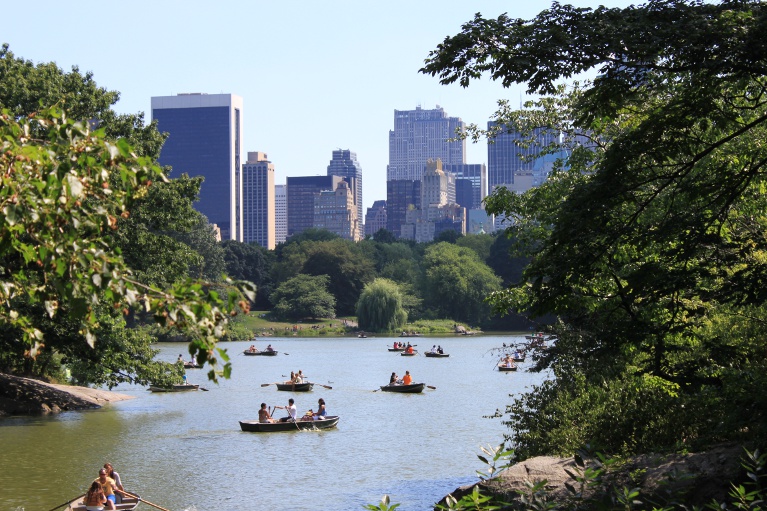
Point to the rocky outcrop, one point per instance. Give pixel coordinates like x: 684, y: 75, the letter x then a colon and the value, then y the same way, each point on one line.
x: 699, y: 478
x: 25, y: 396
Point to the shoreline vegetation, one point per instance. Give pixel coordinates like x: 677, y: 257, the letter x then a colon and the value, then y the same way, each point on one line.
x: 260, y: 323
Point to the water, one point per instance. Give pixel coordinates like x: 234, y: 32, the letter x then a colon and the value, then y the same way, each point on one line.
x: 185, y: 451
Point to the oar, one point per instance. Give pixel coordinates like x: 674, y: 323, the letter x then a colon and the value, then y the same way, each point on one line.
x: 431, y: 387
x: 267, y: 384
x: 203, y: 388
x: 67, y: 502
x: 321, y: 385
x: 142, y: 500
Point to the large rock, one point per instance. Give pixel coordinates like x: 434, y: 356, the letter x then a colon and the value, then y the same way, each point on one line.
x: 698, y: 478
x: 25, y: 396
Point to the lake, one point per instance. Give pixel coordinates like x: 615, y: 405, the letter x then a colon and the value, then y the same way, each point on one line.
x: 185, y: 451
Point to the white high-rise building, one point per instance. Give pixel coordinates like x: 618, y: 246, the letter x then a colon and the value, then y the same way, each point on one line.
x: 280, y: 213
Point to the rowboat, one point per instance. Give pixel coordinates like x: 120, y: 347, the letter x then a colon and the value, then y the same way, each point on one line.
x: 413, y: 388
x: 260, y: 353
x: 267, y: 427
x: 504, y: 367
x: 127, y: 504
x: 174, y: 388
x: 295, y: 387
x: 436, y: 355
x: 396, y: 349
x: 406, y: 354
x: 191, y: 365
x: 518, y: 358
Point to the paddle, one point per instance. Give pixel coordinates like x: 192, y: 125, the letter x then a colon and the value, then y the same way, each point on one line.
x: 321, y: 385
x: 203, y: 388
x: 142, y: 500
x: 267, y: 384
x: 67, y: 502
x: 431, y: 387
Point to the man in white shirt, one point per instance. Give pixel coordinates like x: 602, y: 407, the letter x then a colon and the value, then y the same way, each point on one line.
x: 291, y: 409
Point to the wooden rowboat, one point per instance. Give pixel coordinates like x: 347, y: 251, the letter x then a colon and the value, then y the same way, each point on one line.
x: 266, y: 427
x: 191, y: 365
x: 413, y: 388
x: 505, y: 368
x: 295, y: 387
x: 174, y: 388
x: 127, y: 504
x: 260, y: 353
x: 436, y: 355
x: 396, y: 349
x: 406, y: 354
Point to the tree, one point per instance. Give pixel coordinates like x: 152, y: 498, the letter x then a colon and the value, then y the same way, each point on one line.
x: 303, y: 296
x: 249, y: 261
x: 457, y: 283
x: 653, y: 228
x: 380, y: 307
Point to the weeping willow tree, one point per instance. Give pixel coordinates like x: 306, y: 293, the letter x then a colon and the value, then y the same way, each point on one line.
x: 379, y: 308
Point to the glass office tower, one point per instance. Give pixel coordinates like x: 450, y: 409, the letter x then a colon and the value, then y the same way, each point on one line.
x: 205, y: 139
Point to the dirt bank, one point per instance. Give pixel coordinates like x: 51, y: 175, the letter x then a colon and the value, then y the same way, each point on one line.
x: 24, y: 396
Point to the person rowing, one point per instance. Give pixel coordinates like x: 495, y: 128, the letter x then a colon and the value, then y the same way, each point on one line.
x: 291, y: 409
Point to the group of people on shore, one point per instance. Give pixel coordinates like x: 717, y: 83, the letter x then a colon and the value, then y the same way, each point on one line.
x: 104, y: 490
x: 405, y: 380
x: 265, y: 416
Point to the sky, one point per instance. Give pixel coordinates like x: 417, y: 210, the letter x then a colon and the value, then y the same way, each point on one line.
x: 314, y: 76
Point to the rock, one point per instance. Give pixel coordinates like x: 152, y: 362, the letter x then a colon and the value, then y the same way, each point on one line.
x: 25, y: 396
x: 698, y: 478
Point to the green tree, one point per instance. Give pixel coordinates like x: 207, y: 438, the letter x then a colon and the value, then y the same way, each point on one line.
x: 652, y: 227
x: 380, y: 307
x: 251, y: 262
x: 303, y: 296
x: 457, y: 283
x: 479, y: 243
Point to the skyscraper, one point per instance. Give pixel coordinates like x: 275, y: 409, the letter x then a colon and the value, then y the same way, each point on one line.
x: 420, y: 135
x: 506, y: 158
x: 476, y: 174
x: 335, y: 211
x: 300, y: 199
x: 280, y: 213
x: 205, y: 139
x: 344, y: 163
x: 375, y: 218
x: 258, y: 200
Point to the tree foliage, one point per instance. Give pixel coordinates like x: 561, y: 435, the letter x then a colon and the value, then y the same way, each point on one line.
x: 303, y: 296
x: 651, y: 232
x: 380, y: 307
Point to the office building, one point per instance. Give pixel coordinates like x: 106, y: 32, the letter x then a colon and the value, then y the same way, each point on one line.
x: 375, y: 218
x: 421, y: 135
x: 280, y: 213
x: 474, y: 173
x: 401, y: 196
x: 344, y: 163
x: 335, y: 211
x: 300, y: 199
x: 258, y: 206
x: 509, y: 155
x: 205, y: 139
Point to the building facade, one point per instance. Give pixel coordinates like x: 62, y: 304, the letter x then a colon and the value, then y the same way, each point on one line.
x: 401, y: 196
x: 344, y: 163
x: 300, y: 199
x: 375, y: 218
x: 420, y: 135
x: 280, y: 213
x: 509, y: 155
x: 258, y: 206
x: 335, y: 211
x: 476, y: 174
x: 205, y: 139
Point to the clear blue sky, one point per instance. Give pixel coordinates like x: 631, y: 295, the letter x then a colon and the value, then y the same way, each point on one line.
x: 314, y: 76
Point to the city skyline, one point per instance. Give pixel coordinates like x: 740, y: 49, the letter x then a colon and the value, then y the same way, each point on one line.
x: 322, y: 70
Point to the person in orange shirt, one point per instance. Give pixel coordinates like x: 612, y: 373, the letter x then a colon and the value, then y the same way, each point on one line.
x: 410, y: 349
x: 407, y: 379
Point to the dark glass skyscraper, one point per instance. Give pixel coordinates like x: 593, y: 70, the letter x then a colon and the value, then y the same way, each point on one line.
x: 505, y: 158
x: 205, y: 139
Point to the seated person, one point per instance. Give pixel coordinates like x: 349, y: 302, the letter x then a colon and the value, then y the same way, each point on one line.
x: 264, y: 415
x: 321, y: 413
x: 407, y: 379
x: 95, y: 499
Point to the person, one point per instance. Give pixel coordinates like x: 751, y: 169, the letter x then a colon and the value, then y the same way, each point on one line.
x: 300, y: 376
x: 252, y: 348
x: 264, y: 415
x: 95, y: 498
x: 183, y: 376
x: 180, y: 359
x: 321, y: 412
x: 114, y: 475
x: 409, y: 349
x: 292, y: 378
x: 108, y: 487
x: 393, y: 379
x: 439, y: 350
x: 396, y: 345
x: 434, y: 349
x: 269, y: 348
x: 407, y: 379
x: 291, y: 409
